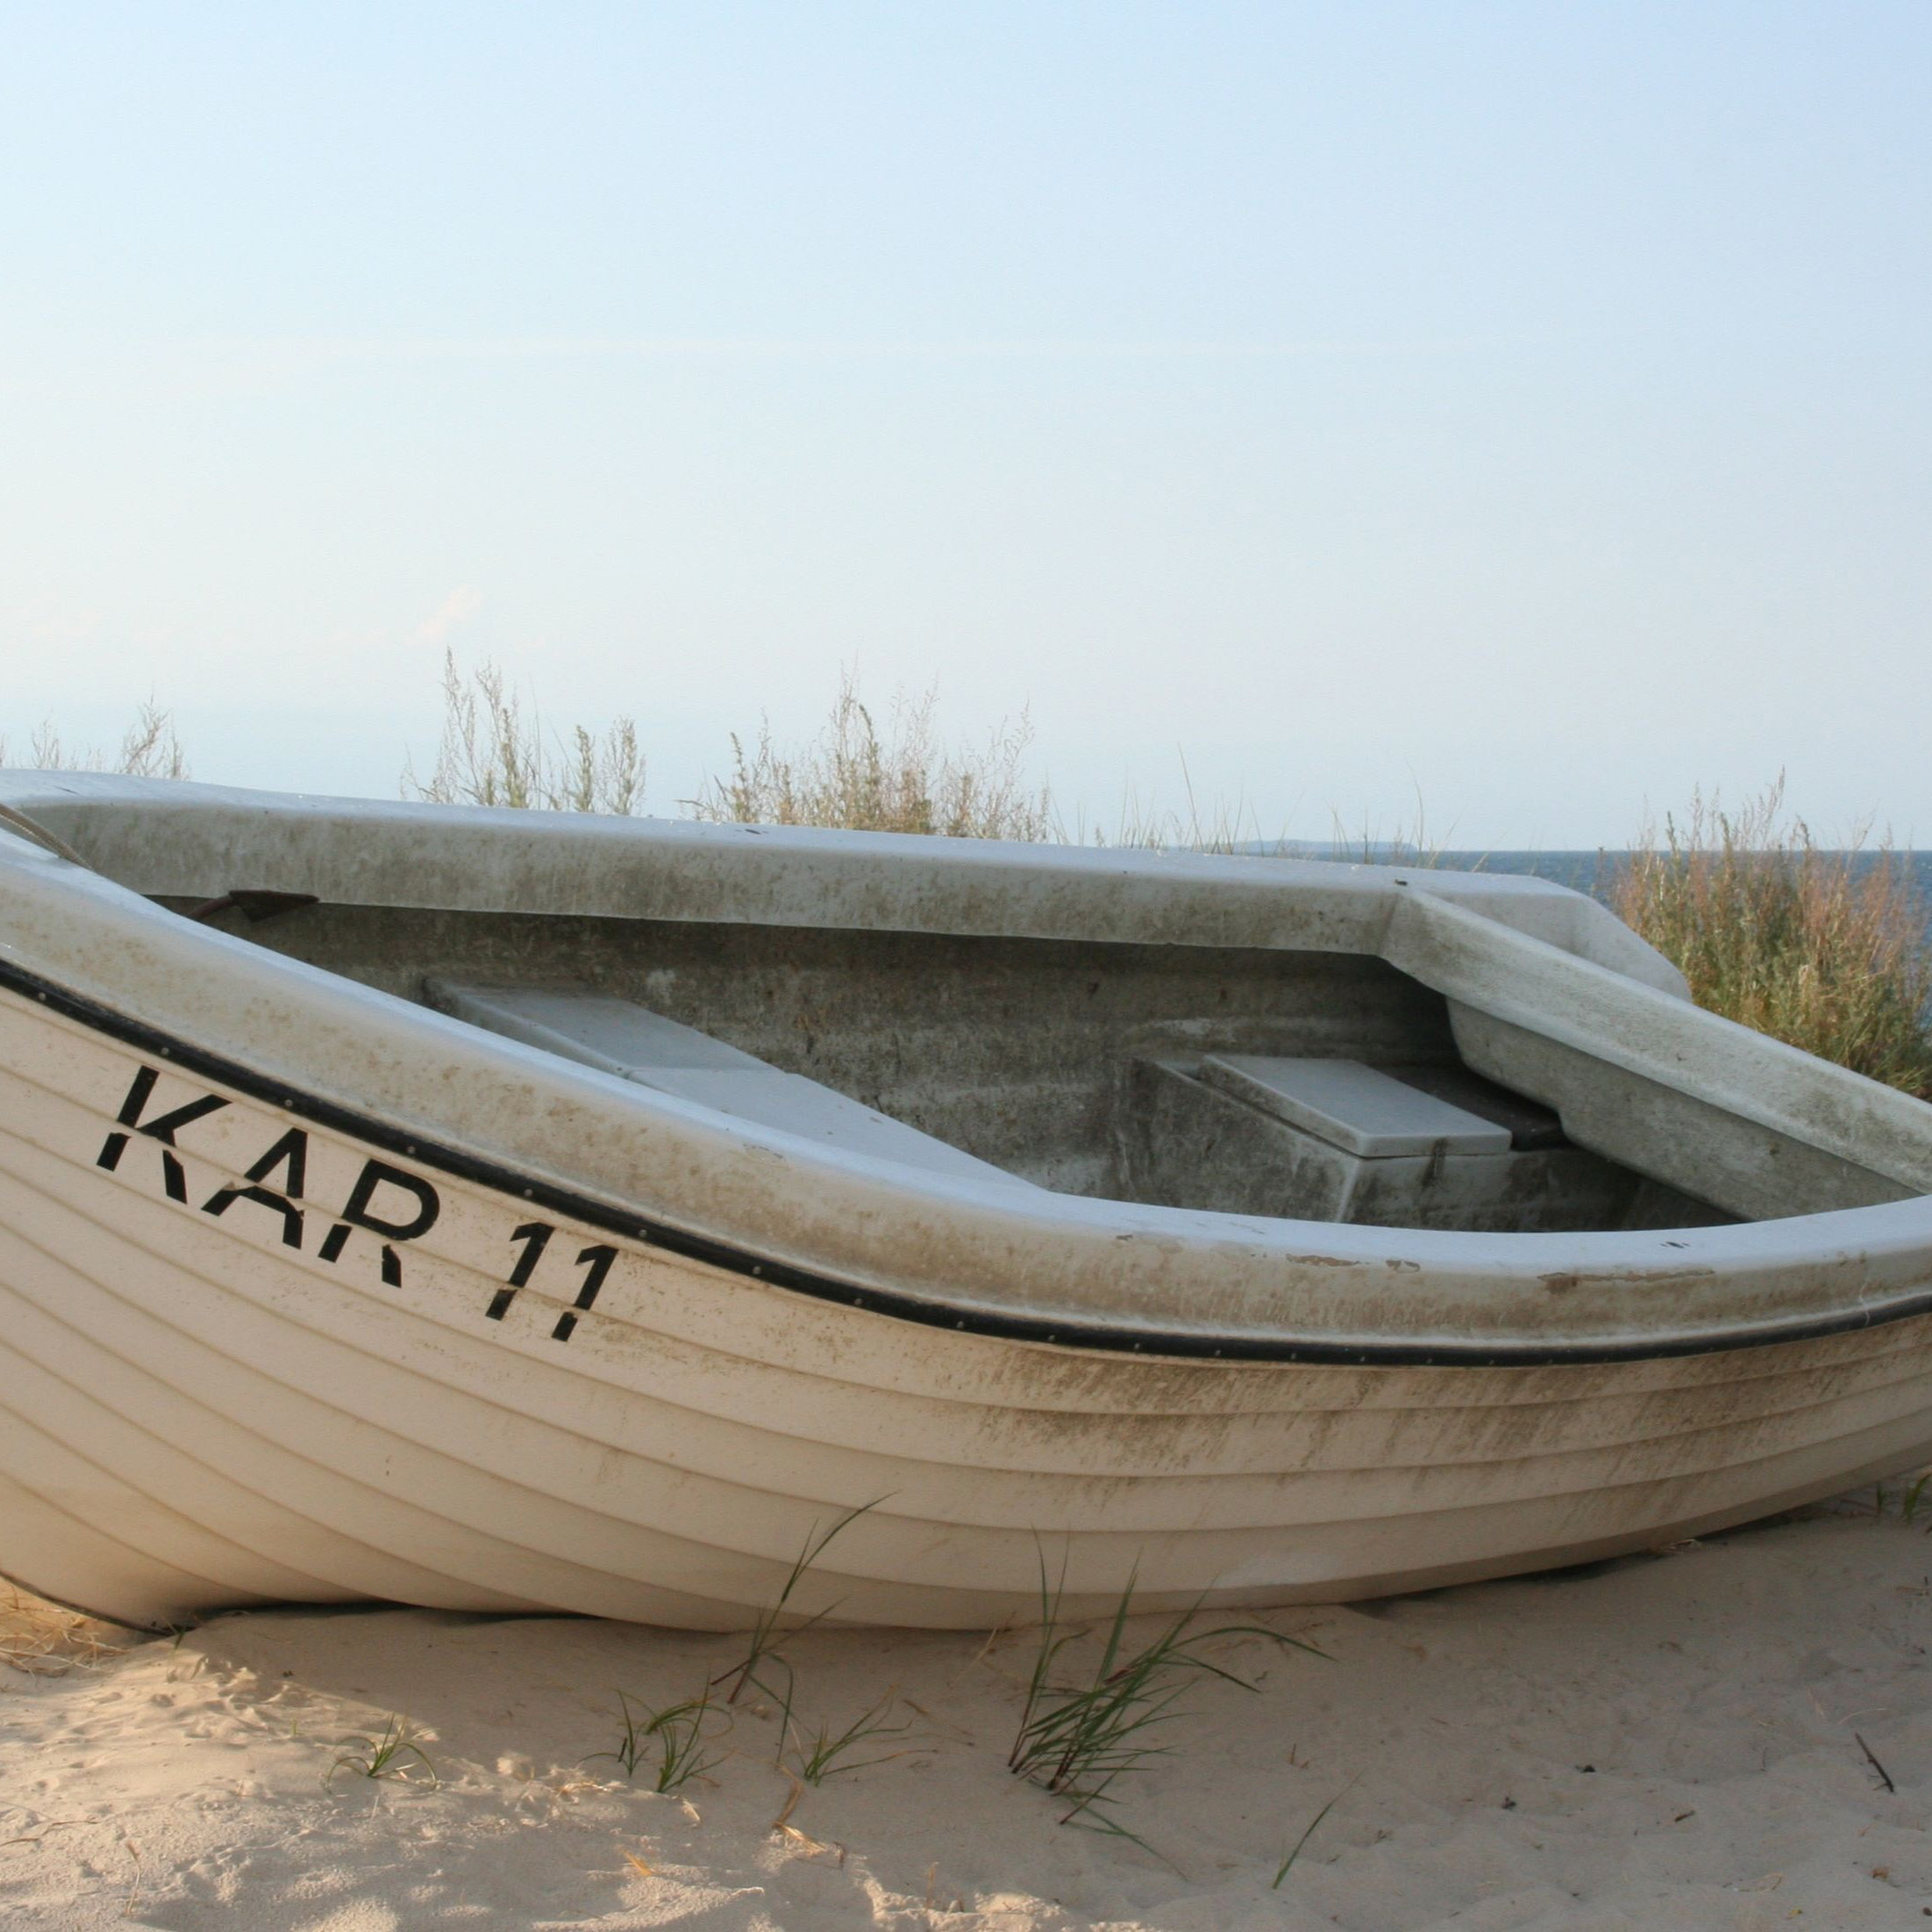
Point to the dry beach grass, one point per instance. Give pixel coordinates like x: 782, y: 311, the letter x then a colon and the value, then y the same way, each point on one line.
x: 1825, y: 949
x: 1822, y: 947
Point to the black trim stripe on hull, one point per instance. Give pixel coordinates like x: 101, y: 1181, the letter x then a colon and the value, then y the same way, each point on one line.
x: 1049, y: 1331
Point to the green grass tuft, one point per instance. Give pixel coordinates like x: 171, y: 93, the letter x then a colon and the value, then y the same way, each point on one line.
x: 1076, y: 1738
x: 827, y: 1752
x: 771, y: 1632
x: 1287, y: 1863
x: 390, y: 1755
x: 677, y: 1738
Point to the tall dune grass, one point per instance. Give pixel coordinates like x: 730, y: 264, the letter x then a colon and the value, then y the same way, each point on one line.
x: 148, y: 749
x: 493, y: 751
x: 903, y: 779
x: 1825, y: 949
x: 1218, y: 827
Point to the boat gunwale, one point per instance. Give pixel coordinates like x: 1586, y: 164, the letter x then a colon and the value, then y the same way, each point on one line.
x: 1070, y: 1330
x: 502, y: 859
x: 1111, y: 1277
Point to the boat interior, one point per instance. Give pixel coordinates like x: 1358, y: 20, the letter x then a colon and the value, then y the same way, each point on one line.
x: 1310, y: 1085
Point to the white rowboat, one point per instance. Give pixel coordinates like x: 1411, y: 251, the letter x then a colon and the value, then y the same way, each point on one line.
x: 513, y: 1211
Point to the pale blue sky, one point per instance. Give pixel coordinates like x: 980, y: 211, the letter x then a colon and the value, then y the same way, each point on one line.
x: 1523, y: 406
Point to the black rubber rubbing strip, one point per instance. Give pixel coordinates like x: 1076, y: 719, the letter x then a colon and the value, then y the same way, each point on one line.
x: 1066, y: 1331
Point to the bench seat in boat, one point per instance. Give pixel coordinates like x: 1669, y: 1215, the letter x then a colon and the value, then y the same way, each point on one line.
x: 618, y: 1037
x: 1330, y: 1138
x: 1354, y: 1107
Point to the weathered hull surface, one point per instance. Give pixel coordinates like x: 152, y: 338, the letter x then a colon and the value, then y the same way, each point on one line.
x: 265, y: 1341
x: 200, y: 1410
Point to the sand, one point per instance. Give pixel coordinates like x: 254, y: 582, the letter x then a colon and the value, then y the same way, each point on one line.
x: 1667, y: 1741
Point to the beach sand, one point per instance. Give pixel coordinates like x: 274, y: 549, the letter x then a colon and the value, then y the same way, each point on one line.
x: 1667, y: 1741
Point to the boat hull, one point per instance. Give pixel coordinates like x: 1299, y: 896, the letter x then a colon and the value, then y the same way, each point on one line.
x: 258, y: 1347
